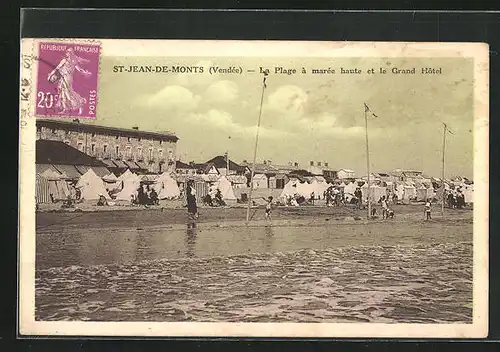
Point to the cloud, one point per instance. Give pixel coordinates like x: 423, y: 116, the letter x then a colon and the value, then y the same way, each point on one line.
x: 289, y: 100
x: 222, y: 92
x: 171, y: 97
x: 223, y: 121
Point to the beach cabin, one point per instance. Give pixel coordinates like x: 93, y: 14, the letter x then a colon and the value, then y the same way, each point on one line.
x: 259, y: 181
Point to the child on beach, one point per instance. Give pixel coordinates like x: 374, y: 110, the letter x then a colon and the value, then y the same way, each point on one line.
x: 268, y: 208
x: 428, y: 210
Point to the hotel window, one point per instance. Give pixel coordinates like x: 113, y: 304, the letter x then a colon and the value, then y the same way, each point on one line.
x: 92, y: 148
x: 150, y: 153
x: 53, y: 131
x: 129, y: 152
x: 93, y: 134
x: 139, y: 153
x: 38, y: 129
x: 117, y: 150
x: 117, y: 137
x: 80, y: 146
x: 161, y: 142
x: 160, y: 153
x: 105, y: 148
x: 128, y: 139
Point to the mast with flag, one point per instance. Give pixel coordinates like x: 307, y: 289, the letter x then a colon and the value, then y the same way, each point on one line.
x: 367, y: 110
x: 445, y: 129
x: 264, y: 86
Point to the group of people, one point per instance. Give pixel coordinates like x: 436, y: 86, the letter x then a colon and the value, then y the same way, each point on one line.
x: 455, y: 199
x: 334, y: 196
x: 146, y: 195
x: 387, y: 212
x: 214, y: 198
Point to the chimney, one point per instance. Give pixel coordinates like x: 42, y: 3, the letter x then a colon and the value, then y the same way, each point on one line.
x: 135, y: 128
x: 311, y: 163
x: 296, y: 164
x: 269, y: 162
x: 326, y: 164
x: 76, y: 121
x: 245, y: 161
x: 191, y: 163
x: 319, y: 163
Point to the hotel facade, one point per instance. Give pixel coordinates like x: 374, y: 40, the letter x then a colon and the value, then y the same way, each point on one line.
x: 118, y: 148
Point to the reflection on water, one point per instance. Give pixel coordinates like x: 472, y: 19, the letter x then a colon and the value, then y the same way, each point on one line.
x: 123, y: 246
x: 190, y: 239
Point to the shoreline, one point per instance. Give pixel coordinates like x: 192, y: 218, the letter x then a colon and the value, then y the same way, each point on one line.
x: 227, y: 224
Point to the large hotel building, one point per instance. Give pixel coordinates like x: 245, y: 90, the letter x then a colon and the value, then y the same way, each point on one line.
x: 118, y: 148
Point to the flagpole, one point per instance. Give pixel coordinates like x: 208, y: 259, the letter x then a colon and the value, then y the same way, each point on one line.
x: 367, y: 161
x: 442, y: 170
x: 255, y: 149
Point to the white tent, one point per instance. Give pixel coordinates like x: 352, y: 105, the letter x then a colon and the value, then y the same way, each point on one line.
x: 421, y: 192
x: 126, y: 175
x: 319, y: 188
x: 376, y: 192
x: 131, y: 183
x: 468, y: 191
x: 166, y: 187
x: 259, y: 181
x: 91, y: 186
x: 225, y: 188
x: 305, y: 189
x: 290, y: 189
x: 350, y: 188
x: 110, y: 178
x: 409, y: 191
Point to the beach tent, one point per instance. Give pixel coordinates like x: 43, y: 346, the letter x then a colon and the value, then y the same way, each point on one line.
x: 130, y: 184
x: 91, y: 186
x: 305, y: 189
x: 376, y: 192
x: 468, y: 191
x: 410, y: 191
x: 52, y: 174
x: 290, y: 189
x: 42, y: 194
x: 319, y: 188
x: 112, y: 184
x: 126, y: 175
x: 166, y: 187
x: 58, y: 187
x: 259, y: 181
x: 421, y: 192
x: 225, y: 188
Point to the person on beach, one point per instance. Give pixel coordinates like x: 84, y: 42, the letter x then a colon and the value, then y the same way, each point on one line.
x: 268, y: 207
x: 191, y: 200
x: 385, y: 207
x: 428, y: 210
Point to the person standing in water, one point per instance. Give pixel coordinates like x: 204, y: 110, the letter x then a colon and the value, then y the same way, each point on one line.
x: 191, y: 200
x: 428, y: 210
x: 268, y: 208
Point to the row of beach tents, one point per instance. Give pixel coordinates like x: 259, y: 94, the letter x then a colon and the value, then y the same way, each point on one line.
x: 51, y: 186
x: 405, y: 191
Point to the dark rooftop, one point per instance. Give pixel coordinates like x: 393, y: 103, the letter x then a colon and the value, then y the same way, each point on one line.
x: 220, y: 162
x: 59, y: 153
x: 133, y: 132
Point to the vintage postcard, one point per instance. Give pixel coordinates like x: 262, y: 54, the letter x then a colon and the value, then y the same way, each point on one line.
x: 253, y: 188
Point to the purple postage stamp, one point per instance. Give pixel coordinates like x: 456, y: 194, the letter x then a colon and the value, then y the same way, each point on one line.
x: 67, y: 80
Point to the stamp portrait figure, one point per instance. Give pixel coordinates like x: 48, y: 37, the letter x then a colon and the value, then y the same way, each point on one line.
x: 62, y: 75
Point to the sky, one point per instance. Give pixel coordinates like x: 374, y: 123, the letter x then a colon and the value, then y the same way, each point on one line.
x: 318, y: 117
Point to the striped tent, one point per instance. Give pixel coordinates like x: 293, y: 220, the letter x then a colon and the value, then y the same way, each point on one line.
x: 42, y: 190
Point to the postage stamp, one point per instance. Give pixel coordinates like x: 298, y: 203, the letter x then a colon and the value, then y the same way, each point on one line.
x: 67, y: 80
x: 315, y: 189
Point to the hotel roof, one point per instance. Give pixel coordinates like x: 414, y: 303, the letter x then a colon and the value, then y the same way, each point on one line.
x: 85, y: 127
